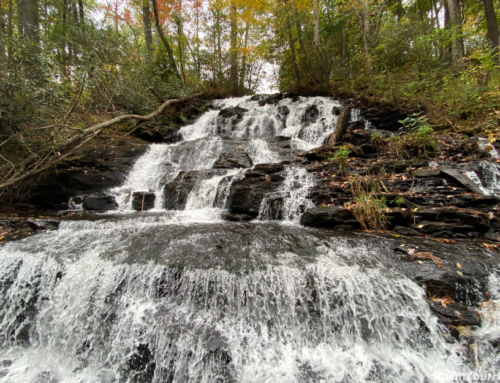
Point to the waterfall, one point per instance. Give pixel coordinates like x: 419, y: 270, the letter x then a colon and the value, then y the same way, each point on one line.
x: 183, y: 296
x: 139, y: 301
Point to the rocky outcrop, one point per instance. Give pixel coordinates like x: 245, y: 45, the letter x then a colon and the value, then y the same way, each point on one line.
x: 246, y: 195
x: 103, y: 164
x: 236, y: 113
x: 329, y: 217
x: 99, y: 203
x: 176, y: 192
x: 142, y: 201
x: 233, y: 160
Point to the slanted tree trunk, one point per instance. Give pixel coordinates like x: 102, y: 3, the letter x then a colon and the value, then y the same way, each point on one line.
x: 27, y: 13
x: 491, y: 21
x: 233, y: 70
x: 164, y: 40
x: 148, y: 37
x: 457, y: 44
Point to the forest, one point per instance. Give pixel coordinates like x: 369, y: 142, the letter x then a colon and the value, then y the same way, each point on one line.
x: 69, y: 67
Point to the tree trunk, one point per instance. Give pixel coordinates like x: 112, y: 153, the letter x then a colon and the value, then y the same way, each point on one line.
x: 294, y: 55
x: 81, y: 11
x: 148, y: 37
x: 316, y: 22
x: 233, y: 71
x: 163, y: 38
x: 9, y: 26
x: 244, y: 60
x: 27, y: 13
x: 180, y: 35
x: 491, y: 21
x: 457, y: 44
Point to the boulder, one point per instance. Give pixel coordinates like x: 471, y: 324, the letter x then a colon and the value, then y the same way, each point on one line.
x: 493, y: 236
x: 331, y: 216
x: 103, y: 203
x: 233, y: 160
x: 246, y: 195
x: 142, y: 201
x: 43, y: 223
x: 463, y: 180
x: 176, y: 192
x: 455, y: 314
x: 311, y: 115
x: 236, y: 112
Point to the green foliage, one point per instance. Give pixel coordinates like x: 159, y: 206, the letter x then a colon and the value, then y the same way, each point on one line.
x: 400, y: 201
x: 341, y: 155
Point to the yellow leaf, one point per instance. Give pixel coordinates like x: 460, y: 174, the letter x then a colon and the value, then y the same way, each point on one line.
x: 420, y: 226
x: 459, y: 265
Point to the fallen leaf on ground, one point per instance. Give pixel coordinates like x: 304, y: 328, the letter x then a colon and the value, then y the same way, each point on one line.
x: 428, y: 255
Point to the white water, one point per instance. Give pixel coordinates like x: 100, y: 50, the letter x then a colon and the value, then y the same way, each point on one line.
x: 489, y: 182
x: 206, y: 139
x: 330, y: 319
x: 182, y: 296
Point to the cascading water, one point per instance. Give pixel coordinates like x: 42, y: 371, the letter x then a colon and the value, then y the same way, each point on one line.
x: 182, y: 296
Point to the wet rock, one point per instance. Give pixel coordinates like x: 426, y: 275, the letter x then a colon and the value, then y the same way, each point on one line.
x: 477, y: 220
x: 100, y: 165
x: 141, y: 365
x: 268, y: 168
x: 455, y: 314
x: 43, y: 223
x: 406, y: 231
x: 311, y: 115
x: 493, y: 236
x: 283, y: 110
x: 45, y: 377
x: 103, y: 203
x: 142, y: 201
x: 336, y: 110
x: 233, y: 160
x: 329, y: 217
x: 177, y: 191
x: 236, y: 217
x: 463, y: 180
x: 246, y: 195
x: 237, y: 113
x: 426, y: 173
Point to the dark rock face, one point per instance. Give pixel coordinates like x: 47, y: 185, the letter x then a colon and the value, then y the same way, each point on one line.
x: 332, y: 216
x: 43, y: 223
x: 176, y: 193
x: 142, y: 201
x: 246, y: 195
x: 236, y: 217
x: 310, y: 115
x: 233, y: 160
x: 406, y: 231
x: 102, y: 165
x: 236, y: 112
x: 103, y: 203
x: 455, y: 314
x: 463, y: 180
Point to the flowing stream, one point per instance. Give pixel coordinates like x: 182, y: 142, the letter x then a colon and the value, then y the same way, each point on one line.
x: 183, y: 296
